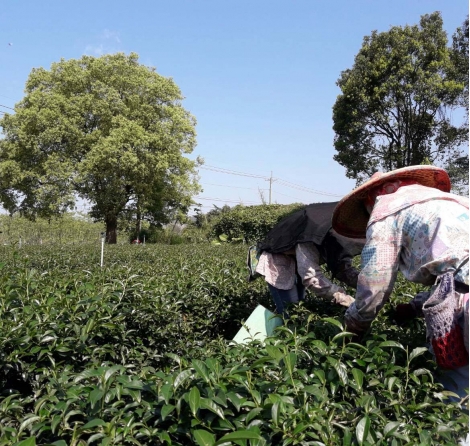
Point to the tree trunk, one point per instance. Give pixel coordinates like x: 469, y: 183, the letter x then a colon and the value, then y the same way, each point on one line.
x: 111, y: 230
x: 138, y: 225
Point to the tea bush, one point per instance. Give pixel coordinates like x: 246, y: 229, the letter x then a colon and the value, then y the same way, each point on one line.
x: 251, y: 223
x: 139, y: 352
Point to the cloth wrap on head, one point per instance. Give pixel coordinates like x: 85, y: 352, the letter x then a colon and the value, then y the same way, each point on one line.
x: 312, y: 224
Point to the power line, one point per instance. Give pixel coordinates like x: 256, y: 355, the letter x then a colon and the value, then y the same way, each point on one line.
x: 284, y: 195
x: 271, y: 179
x: 224, y: 162
x: 7, y: 107
x: 225, y: 201
x: 305, y: 189
x: 232, y: 172
x: 235, y: 187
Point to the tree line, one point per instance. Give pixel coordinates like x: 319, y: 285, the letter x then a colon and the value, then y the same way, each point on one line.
x: 114, y: 132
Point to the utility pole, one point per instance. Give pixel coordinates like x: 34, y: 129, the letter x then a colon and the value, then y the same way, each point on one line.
x: 271, y: 180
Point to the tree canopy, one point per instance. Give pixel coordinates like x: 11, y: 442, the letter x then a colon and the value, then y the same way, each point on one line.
x: 459, y: 56
x: 396, y: 102
x: 106, y: 129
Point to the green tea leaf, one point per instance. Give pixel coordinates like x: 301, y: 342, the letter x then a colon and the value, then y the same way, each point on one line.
x: 300, y: 427
x: 347, y: 437
x: 417, y: 352
x: 201, y: 369
x: 181, y: 378
x: 333, y: 322
x: 252, y: 414
x: 175, y: 358
x: 167, y: 392
x: 208, y: 404
x: 419, y: 372
x: 340, y: 368
x: 320, y: 345
x: 391, y: 382
x: 391, y: 344
x: 94, y: 423
x: 204, y: 438
x: 234, y: 399
x: 31, y: 441
x: 27, y: 422
x: 275, y: 413
x: 194, y: 400
x: 111, y: 371
x: 362, y: 429
x: 166, y: 410
x: 391, y: 427
x: 239, y: 435
x: 290, y: 360
x: 320, y: 374
x: 358, y: 377
x: 274, y: 352
x: 342, y: 335
x: 95, y: 396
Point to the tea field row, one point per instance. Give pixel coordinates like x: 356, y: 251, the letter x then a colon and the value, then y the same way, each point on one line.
x: 139, y: 352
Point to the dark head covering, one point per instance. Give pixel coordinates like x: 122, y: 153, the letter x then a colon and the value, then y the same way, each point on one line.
x: 312, y: 224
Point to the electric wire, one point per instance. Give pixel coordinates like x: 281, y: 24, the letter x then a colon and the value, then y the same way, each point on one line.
x: 279, y: 180
x: 235, y: 187
x: 305, y: 189
x: 232, y: 172
x: 225, y: 201
x: 284, y: 195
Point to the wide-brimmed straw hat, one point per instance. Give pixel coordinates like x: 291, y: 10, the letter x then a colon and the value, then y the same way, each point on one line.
x: 350, y: 216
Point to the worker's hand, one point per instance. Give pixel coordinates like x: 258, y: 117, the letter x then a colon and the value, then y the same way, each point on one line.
x: 354, y: 326
x: 403, y: 313
x: 342, y: 299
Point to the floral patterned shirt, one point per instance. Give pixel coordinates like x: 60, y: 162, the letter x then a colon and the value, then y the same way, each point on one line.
x: 279, y: 270
x: 422, y: 239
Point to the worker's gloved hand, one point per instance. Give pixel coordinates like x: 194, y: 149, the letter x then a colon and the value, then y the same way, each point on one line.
x: 404, y: 313
x: 342, y: 299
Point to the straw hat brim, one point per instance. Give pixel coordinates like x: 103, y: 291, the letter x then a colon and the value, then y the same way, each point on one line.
x: 350, y: 216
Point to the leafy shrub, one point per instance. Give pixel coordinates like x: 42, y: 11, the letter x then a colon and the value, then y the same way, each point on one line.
x: 138, y: 353
x: 251, y: 223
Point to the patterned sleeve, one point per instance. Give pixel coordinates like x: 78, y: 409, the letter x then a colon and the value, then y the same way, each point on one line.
x: 379, y: 268
x: 308, y: 267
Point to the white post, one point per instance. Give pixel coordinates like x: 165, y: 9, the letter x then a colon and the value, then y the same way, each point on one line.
x: 144, y: 239
x: 20, y: 242
x: 103, y: 234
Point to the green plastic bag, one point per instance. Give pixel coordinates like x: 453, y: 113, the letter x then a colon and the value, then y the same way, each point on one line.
x: 259, y: 325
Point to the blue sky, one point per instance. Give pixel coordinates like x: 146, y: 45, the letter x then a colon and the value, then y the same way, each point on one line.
x: 259, y: 76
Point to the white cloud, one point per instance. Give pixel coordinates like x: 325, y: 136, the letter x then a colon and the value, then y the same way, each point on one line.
x: 95, y: 50
x: 113, y: 35
x: 108, y: 42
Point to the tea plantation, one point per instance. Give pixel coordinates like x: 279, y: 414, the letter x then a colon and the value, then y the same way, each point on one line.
x: 138, y: 353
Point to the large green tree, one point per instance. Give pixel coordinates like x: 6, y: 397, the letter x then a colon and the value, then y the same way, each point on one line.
x: 397, y: 101
x: 108, y: 130
x: 459, y: 57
